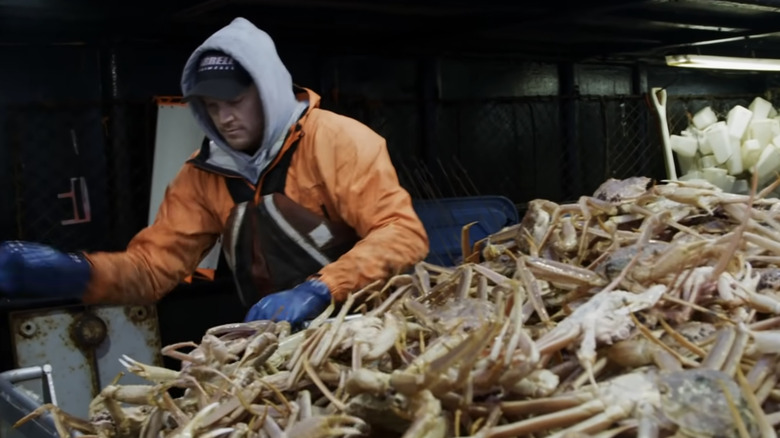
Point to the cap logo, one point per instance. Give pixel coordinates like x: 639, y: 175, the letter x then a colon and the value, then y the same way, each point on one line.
x: 212, y: 63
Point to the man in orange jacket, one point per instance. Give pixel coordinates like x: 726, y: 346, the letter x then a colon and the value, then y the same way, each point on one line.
x: 282, y: 179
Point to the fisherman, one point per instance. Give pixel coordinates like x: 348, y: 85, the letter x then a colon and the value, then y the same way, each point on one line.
x: 307, y: 201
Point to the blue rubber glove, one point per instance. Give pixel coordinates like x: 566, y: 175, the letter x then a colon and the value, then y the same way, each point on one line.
x: 301, y: 303
x: 28, y: 268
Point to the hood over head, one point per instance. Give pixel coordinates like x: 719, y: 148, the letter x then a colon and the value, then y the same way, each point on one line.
x: 255, y: 51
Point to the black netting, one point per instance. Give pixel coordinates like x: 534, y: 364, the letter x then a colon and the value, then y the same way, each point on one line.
x: 79, y: 172
x: 523, y: 148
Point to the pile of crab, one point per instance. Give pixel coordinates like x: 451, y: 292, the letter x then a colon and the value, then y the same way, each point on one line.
x: 644, y: 310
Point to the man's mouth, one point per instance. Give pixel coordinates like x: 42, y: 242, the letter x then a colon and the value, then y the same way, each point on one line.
x: 232, y: 132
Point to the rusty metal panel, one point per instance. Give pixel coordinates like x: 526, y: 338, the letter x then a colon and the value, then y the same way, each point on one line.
x: 132, y: 331
x: 43, y: 336
x: 84, y: 345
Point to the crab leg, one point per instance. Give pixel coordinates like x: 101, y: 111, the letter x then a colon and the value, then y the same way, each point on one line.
x: 760, y: 371
x: 421, y: 375
x: 773, y: 418
x: 719, y: 352
x: 648, y: 426
x: 533, y: 290
x: 544, y: 405
x: 543, y: 422
x: 321, y: 427
x: 736, y: 352
x: 153, y: 424
x: 764, y: 391
x: 467, y: 274
x: 63, y: 422
x: 563, y: 274
x: 598, y: 422
x: 747, y: 392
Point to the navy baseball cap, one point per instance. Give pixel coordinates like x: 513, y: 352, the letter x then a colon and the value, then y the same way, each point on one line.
x: 219, y: 76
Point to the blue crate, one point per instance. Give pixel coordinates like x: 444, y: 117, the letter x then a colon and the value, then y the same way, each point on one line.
x: 444, y: 218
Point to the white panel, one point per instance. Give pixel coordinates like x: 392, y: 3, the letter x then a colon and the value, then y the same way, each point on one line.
x: 177, y: 137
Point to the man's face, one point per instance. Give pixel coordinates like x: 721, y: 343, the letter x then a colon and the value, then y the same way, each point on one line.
x: 239, y: 121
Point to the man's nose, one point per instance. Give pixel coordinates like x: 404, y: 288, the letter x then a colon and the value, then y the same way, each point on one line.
x: 225, y: 115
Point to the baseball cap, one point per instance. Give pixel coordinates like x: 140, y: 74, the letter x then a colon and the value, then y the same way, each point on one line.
x: 219, y: 76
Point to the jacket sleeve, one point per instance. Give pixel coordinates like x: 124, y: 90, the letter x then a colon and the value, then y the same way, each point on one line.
x: 369, y: 198
x: 161, y: 255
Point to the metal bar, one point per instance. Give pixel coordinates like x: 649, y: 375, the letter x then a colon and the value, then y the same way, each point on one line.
x: 739, y: 37
x: 745, y: 5
x: 570, y: 123
x: 31, y: 373
x: 590, y: 9
x: 406, y: 9
x: 22, y: 374
x: 15, y: 404
x: 694, y: 19
x: 649, y: 50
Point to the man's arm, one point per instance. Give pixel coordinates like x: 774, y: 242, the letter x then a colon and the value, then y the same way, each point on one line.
x: 163, y: 254
x: 369, y: 198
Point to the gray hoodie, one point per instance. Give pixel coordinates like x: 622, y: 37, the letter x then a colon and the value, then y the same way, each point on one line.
x: 256, y: 52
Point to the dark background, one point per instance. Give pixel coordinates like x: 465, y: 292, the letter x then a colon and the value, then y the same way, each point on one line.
x: 542, y: 100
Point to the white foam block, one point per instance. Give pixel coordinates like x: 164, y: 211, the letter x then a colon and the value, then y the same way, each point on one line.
x: 760, y: 108
x: 701, y: 139
x: 707, y: 161
x: 737, y: 120
x: 684, y: 146
x: 734, y: 163
x: 718, y: 139
x: 741, y: 186
x: 692, y: 175
x: 688, y: 164
x: 763, y: 130
x: 728, y: 183
x: 768, y: 163
x: 704, y: 118
x: 716, y: 176
x: 751, y: 151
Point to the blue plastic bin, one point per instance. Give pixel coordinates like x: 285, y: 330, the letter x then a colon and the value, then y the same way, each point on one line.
x: 444, y: 218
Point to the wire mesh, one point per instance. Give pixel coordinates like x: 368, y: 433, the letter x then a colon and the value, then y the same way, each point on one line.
x: 398, y: 121
x: 550, y: 147
x: 68, y: 163
x: 630, y: 147
x: 556, y: 148
x: 499, y: 143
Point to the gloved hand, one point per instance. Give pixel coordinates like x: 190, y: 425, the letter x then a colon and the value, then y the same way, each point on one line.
x: 34, y: 269
x: 301, y: 303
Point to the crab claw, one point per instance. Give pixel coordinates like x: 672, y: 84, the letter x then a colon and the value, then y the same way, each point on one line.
x: 149, y: 372
x: 327, y: 426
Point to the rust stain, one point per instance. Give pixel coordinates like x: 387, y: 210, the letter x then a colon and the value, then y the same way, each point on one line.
x: 145, y: 317
x: 39, y: 326
x: 88, y: 331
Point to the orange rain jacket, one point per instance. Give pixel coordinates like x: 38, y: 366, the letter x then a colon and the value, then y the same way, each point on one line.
x: 341, y: 166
